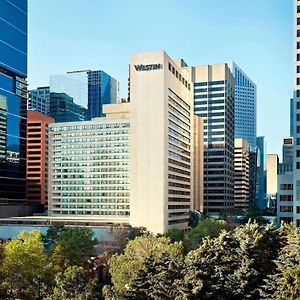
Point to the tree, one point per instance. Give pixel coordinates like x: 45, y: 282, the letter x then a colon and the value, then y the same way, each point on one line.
x: 52, y: 235
x: 205, y: 228
x: 24, y: 266
x: 73, y: 284
x: 284, y: 283
x: 157, y: 279
x: 175, y: 235
x: 74, y: 246
x: 125, y: 267
x: 232, y: 266
x: 254, y: 214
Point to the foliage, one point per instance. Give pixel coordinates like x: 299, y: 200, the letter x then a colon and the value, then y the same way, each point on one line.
x: 53, y: 233
x: 284, y: 283
x: 194, y: 219
x: 231, y: 266
x: 74, y: 284
x: 175, y: 235
x: 24, y: 266
x: 125, y: 267
x: 254, y: 214
x: 74, y: 246
x: 157, y: 279
x: 205, y: 228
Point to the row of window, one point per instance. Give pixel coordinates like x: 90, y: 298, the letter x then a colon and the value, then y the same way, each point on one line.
x: 89, y: 127
x: 179, y: 76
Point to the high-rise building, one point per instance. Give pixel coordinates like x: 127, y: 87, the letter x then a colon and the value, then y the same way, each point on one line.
x: 296, y: 114
x: 39, y: 100
x: 244, y: 106
x: 260, y: 182
x: 214, y: 102
x: 37, y: 157
x: 90, y: 89
x: 291, y: 117
x: 89, y: 167
x: 63, y: 108
x: 13, y: 102
x: 198, y: 164
x: 272, y: 171
x: 138, y: 164
x: 241, y: 174
x: 287, y: 150
x: 161, y: 97
x: 285, y: 183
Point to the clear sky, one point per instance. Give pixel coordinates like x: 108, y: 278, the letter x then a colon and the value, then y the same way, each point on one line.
x: 66, y: 35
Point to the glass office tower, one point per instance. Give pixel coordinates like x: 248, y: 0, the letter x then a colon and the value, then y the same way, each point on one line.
x: 13, y: 98
x: 90, y: 89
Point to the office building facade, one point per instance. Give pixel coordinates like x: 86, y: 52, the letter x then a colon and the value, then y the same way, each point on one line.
x: 89, y: 167
x: 272, y: 171
x: 63, y: 108
x: 39, y: 100
x: 161, y: 98
x: 296, y: 115
x: 241, y: 174
x: 285, y: 183
x: 89, y: 89
x: 244, y: 106
x: 13, y: 102
x: 214, y: 102
x: 260, y: 183
x: 37, y: 157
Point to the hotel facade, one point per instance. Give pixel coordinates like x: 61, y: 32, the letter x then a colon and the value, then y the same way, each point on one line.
x: 141, y: 164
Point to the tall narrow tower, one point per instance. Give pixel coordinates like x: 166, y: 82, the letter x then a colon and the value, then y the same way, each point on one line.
x: 296, y: 114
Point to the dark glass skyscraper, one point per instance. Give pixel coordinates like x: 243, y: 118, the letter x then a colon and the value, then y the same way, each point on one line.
x: 90, y: 89
x: 102, y: 89
x: 63, y: 109
x: 13, y: 98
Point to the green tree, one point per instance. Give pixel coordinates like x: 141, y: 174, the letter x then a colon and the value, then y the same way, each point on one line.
x: 53, y: 233
x: 73, y: 284
x: 24, y: 266
x: 232, y: 266
x: 157, y: 279
x: 125, y: 267
x: 175, y: 235
x: 74, y: 246
x: 205, y: 228
x: 284, y: 283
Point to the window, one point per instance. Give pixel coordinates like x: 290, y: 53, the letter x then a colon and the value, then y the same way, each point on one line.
x: 298, y: 103
x: 298, y: 21
x: 298, y: 69
x: 298, y: 81
x: 298, y: 55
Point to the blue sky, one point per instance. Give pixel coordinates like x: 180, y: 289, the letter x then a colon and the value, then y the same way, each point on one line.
x: 67, y: 35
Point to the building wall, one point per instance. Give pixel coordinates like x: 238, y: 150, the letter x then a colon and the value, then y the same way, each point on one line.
x: 198, y: 164
x: 272, y: 172
x: 37, y: 157
x: 63, y: 109
x: 214, y: 102
x: 244, y: 106
x: 39, y: 100
x: 13, y: 101
x: 261, y: 186
x: 89, y: 89
x: 162, y: 140
x: 285, y: 197
x: 296, y: 115
x: 241, y: 174
x: 89, y: 167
